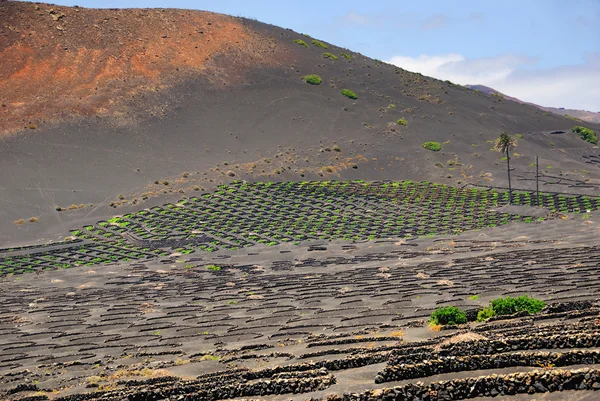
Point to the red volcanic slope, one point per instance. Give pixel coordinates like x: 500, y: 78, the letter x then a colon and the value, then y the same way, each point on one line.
x: 62, y: 62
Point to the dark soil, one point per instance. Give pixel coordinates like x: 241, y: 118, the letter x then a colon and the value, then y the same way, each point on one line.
x: 246, y: 111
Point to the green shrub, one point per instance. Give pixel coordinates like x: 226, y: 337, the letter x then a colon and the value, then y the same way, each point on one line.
x: 402, y: 122
x: 586, y: 134
x: 434, y: 146
x: 349, y: 93
x: 346, y: 55
x: 485, y: 314
x: 300, y: 42
x: 320, y: 44
x: 330, y: 55
x: 448, y: 315
x: 213, y: 268
x: 510, y: 305
x: 312, y: 79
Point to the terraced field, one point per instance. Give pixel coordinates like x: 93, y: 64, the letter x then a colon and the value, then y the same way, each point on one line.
x: 128, y: 271
x: 316, y: 290
x: 243, y: 215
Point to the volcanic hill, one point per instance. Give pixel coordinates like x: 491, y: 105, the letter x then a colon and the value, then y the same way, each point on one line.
x: 104, y: 106
x: 200, y: 207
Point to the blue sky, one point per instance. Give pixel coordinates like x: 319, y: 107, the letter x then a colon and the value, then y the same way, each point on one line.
x: 544, y: 51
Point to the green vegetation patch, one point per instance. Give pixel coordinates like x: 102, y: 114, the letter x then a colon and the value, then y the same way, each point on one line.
x: 402, y: 121
x: 346, y: 56
x: 330, y: 56
x: 406, y: 209
x: 586, y: 134
x: 300, y: 42
x: 312, y: 79
x: 448, y: 315
x: 118, y: 221
x: 511, y: 305
x: 320, y: 44
x: 349, y: 93
x: 433, y: 146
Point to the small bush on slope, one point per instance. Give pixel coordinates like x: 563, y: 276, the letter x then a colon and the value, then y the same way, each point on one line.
x: 434, y: 146
x: 300, y: 42
x: 485, y: 314
x: 586, y: 134
x: 312, y: 79
x: 448, y: 315
x: 320, y: 44
x: 349, y: 93
x: 510, y: 305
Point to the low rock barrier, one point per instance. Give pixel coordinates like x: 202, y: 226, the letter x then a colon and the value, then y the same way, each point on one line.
x: 488, y: 347
x: 481, y: 362
x: 260, y: 388
x: 353, y: 350
x: 482, y: 347
x: 353, y: 341
x: 484, y: 386
x: 353, y: 361
x: 194, y: 391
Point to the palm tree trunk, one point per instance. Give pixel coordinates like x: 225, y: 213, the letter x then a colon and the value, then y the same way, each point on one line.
x: 509, y: 185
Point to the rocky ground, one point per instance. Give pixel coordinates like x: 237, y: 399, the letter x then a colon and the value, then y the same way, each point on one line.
x: 183, y: 216
x: 322, y: 319
x: 100, y: 108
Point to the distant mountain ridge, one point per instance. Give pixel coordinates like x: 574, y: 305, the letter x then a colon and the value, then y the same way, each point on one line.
x: 584, y: 115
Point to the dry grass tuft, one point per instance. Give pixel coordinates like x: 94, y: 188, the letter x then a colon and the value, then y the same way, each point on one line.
x: 147, y: 307
x: 110, y: 382
x: 435, y: 327
x: 209, y: 357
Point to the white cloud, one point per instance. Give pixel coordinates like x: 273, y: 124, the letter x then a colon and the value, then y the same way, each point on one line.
x: 572, y: 86
x: 427, y: 65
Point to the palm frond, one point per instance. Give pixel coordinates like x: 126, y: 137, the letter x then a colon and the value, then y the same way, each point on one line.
x: 504, y: 143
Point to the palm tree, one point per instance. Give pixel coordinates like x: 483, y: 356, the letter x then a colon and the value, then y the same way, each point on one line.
x: 503, y: 144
